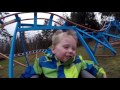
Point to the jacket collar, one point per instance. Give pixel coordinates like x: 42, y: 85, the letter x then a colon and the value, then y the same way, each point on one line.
x: 50, y: 55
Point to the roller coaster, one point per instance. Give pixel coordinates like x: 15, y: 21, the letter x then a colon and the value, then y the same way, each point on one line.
x: 100, y: 36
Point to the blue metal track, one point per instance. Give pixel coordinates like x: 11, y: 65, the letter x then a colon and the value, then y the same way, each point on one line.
x: 99, y: 37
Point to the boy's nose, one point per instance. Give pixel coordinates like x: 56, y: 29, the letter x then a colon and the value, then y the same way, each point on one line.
x: 70, y: 50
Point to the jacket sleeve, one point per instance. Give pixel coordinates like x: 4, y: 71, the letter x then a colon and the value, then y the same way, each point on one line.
x: 37, y: 67
x: 29, y: 72
x: 92, y: 68
x: 32, y: 70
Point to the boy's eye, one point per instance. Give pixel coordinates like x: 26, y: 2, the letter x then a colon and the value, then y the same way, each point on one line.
x: 66, y: 47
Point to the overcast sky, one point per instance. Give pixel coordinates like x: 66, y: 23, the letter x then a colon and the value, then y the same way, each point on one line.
x: 11, y: 27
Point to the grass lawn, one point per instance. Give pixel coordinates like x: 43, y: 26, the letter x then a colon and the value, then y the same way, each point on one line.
x: 18, y: 69
x: 111, y: 64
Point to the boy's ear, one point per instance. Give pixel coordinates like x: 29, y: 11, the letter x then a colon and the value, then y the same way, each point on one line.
x: 53, y: 49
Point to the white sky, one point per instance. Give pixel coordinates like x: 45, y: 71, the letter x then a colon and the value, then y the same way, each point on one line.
x: 98, y: 16
x: 11, y: 27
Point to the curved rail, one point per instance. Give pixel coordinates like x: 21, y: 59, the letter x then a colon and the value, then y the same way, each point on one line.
x: 105, y: 26
x: 14, y: 60
x: 71, y: 22
x: 50, y: 23
x: 13, y: 21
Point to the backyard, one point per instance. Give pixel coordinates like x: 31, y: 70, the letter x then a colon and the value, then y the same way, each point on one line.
x: 111, y: 64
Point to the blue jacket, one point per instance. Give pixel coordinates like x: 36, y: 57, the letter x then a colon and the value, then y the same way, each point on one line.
x: 48, y: 66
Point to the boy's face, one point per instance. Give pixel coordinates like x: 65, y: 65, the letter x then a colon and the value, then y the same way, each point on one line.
x: 65, y: 49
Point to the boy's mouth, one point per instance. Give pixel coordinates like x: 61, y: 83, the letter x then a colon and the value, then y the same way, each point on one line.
x: 68, y: 60
x: 68, y: 57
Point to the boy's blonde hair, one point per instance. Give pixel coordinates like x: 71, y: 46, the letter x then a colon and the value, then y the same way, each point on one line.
x: 60, y: 34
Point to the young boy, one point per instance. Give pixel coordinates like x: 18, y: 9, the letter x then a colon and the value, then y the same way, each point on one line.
x: 61, y: 61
